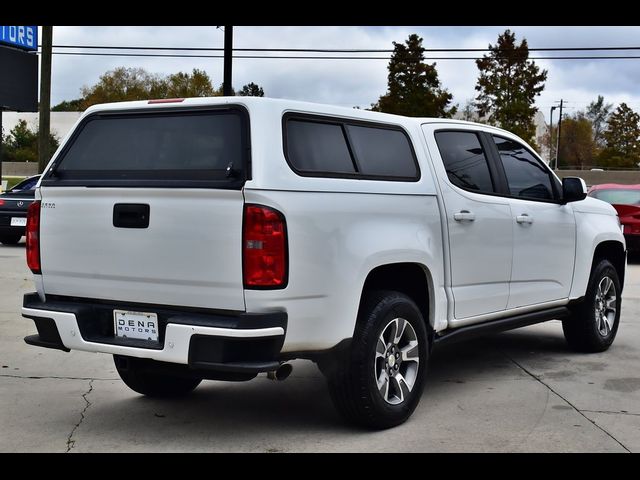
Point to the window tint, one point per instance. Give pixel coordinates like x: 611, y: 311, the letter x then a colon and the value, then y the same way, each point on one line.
x: 318, y: 147
x: 465, y: 160
x: 526, y: 175
x: 381, y: 151
x: 198, y: 146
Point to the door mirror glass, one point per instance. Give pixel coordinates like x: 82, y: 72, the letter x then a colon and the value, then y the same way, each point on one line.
x: 573, y: 189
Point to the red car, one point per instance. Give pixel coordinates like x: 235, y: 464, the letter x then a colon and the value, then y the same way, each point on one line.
x: 626, y: 200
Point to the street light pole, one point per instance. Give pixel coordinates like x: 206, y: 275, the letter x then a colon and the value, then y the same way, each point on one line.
x: 551, y: 137
x: 559, y: 130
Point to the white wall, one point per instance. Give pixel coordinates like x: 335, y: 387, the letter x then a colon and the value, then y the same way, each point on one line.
x: 61, y: 122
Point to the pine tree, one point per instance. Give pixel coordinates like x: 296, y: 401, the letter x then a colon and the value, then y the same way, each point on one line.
x: 507, y: 86
x: 622, y: 138
x: 413, y: 88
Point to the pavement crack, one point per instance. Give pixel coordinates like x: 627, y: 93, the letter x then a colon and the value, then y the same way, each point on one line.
x: 70, y: 441
x: 610, y: 412
x: 536, y: 378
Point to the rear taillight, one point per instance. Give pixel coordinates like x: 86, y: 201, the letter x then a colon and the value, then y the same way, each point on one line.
x: 33, y: 237
x: 264, y: 248
x: 1, y: 202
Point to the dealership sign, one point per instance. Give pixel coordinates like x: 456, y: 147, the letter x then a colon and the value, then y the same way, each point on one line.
x: 20, y: 36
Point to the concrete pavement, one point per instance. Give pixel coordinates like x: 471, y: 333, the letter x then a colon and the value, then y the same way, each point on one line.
x: 516, y: 391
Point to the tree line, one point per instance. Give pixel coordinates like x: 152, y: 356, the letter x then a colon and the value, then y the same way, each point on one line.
x: 507, y: 85
x: 506, y: 88
x: 599, y: 136
x: 118, y: 85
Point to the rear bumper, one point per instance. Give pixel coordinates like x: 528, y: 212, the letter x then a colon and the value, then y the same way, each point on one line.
x: 241, y: 343
x: 5, y: 223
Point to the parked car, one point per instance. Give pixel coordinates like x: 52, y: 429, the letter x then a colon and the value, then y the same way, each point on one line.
x: 355, y: 239
x: 13, y: 210
x: 626, y: 200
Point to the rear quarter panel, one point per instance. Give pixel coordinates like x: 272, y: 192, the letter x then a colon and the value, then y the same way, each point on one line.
x: 338, y: 231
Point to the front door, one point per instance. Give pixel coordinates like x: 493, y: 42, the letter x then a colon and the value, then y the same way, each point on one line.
x: 544, y: 231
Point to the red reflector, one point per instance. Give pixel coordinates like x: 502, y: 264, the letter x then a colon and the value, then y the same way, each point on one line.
x: 264, y: 248
x: 33, y: 237
x: 167, y: 100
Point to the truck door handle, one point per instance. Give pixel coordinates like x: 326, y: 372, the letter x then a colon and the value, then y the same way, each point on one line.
x: 131, y: 215
x: 464, y: 216
x: 524, y: 218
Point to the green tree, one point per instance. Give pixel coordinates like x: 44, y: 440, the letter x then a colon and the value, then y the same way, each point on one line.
x: 21, y: 144
x: 508, y: 84
x: 576, y: 145
x: 598, y: 113
x: 413, y: 87
x: 251, y: 90
x: 622, y: 139
x: 183, y: 85
x: 68, y: 106
x: 122, y: 84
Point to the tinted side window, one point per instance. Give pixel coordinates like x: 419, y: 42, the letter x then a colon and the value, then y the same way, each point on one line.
x: 318, y: 147
x: 526, y: 176
x: 383, y: 152
x: 465, y: 160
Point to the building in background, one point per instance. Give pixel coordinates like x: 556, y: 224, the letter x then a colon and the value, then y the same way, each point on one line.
x: 61, y: 122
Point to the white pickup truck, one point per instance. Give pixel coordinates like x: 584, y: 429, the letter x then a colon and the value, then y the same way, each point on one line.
x: 218, y: 238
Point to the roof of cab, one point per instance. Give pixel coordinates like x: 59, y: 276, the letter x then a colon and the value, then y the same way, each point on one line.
x: 276, y: 103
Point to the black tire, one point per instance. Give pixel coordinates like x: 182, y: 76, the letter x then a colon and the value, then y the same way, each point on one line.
x: 586, y: 330
x: 147, y: 378
x: 10, y: 238
x: 352, y: 377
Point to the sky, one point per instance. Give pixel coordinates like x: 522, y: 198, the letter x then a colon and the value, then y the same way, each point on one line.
x: 359, y: 82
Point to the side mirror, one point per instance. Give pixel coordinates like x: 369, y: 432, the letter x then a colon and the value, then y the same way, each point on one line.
x: 573, y: 189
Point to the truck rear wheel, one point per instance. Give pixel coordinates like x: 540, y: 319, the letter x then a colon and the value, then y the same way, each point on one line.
x: 378, y: 381
x: 593, y: 324
x: 144, y: 377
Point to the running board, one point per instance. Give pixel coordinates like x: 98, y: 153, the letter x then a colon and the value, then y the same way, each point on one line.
x: 501, y: 325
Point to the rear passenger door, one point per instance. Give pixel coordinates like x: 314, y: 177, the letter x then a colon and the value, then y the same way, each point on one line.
x: 479, y: 222
x: 544, y: 232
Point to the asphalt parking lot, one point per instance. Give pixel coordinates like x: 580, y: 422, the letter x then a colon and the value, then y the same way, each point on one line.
x: 512, y: 392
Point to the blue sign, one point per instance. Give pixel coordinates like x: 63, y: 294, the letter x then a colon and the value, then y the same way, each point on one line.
x: 21, y: 36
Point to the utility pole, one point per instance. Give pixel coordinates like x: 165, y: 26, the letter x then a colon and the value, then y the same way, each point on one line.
x: 228, y: 57
x: 551, y: 138
x: 45, y: 98
x: 559, y: 130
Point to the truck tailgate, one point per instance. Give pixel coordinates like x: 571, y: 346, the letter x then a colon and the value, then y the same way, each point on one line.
x: 190, y: 254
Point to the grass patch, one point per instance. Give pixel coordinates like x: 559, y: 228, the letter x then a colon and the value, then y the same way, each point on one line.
x: 11, y: 181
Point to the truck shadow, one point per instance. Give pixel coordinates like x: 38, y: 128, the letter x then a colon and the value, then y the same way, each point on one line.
x: 222, y: 416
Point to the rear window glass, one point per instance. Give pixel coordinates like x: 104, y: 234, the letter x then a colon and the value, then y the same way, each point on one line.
x: 382, y: 151
x: 318, y: 147
x: 184, y: 145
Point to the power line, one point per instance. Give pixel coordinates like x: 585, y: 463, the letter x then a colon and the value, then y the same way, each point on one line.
x: 324, y: 57
x: 340, y: 50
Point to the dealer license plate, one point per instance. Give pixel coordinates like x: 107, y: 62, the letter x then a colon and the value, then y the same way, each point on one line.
x: 18, y: 222
x: 138, y: 325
